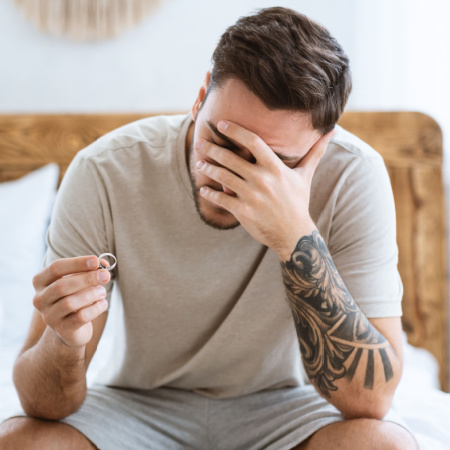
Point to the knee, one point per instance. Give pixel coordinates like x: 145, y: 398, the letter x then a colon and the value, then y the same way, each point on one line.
x: 17, y: 432
x: 387, y: 435
x: 27, y: 433
x: 370, y: 434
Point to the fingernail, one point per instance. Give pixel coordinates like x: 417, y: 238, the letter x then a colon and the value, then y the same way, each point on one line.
x: 101, y: 291
x: 200, y: 164
x: 92, y: 263
x: 222, y: 125
x: 103, y: 302
x: 199, y: 145
x: 102, y: 276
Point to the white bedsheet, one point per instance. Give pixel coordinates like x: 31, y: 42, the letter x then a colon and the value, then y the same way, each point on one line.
x: 424, y: 407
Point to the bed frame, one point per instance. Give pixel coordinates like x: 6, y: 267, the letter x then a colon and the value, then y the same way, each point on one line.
x: 411, y: 144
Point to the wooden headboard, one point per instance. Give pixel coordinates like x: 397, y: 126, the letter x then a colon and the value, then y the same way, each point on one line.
x: 411, y: 144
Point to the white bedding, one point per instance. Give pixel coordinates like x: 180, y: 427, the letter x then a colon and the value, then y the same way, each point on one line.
x: 422, y: 405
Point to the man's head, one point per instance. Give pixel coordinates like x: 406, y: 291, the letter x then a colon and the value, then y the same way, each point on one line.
x: 278, y: 74
x: 288, y: 61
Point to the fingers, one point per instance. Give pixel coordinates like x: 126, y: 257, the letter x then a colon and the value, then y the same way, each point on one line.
x: 221, y: 175
x: 66, y: 286
x: 310, y: 161
x: 86, y: 315
x: 252, y: 142
x: 224, y: 157
x: 219, y: 198
x: 105, y: 262
x: 75, y: 302
x: 63, y: 267
x: 69, y: 295
x: 72, y: 298
x: 76, y: 330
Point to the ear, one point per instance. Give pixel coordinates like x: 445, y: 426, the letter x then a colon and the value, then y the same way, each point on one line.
x: 200, y: 96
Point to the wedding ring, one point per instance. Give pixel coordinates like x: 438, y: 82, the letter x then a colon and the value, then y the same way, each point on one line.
x: 111, y: 267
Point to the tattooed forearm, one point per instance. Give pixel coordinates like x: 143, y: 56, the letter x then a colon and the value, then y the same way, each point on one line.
x: 333, y: 333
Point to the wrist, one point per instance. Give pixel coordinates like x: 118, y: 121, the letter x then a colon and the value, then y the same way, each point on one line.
x: 287, y: 247
x: 58, y: 350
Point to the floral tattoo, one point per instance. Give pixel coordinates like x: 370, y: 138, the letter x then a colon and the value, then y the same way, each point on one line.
x: 333, y: 333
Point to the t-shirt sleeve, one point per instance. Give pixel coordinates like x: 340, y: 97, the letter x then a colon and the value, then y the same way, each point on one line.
x: 81, y: 220
x: 363, y: 240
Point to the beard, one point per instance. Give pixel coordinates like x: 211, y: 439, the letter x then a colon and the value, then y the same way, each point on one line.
x: 213, y: 222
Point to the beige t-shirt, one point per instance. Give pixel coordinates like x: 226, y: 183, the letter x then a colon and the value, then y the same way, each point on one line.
x: 204, y: 309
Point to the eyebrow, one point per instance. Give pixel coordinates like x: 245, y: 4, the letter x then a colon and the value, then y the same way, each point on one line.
x: 233, y: 146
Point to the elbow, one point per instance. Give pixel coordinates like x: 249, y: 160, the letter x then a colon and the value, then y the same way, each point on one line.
x: 47, y: 407
x: 370, y: 409
x: 48, y: 412
x: 44, y: 394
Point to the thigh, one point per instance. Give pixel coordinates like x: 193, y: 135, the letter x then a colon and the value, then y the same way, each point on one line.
x: 278, y: 419
x: 163, y: 418
x: 275, y: 419
x: 28, y: 433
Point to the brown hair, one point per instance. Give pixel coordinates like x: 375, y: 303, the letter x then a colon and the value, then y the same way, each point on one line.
x: 288, y: 61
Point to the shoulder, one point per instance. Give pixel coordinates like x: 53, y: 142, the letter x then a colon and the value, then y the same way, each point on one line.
x: 350, y: 183
x: 347, y: 148
x: 129, y: 152
x: 357, y: 180
x: 151, y: 134
x: 349, y: 159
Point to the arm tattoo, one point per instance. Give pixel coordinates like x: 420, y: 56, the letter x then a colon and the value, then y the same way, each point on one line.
x: 333, y: 332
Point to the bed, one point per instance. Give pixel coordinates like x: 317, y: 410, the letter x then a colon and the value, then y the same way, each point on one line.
x: 411, y: 145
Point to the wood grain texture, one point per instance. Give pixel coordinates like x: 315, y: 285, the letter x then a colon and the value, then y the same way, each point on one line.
x: 31, y: 141
x: 403, y: 138
x: 410, y: 143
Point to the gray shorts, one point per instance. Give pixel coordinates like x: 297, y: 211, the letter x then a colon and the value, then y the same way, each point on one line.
x: 166, y: 419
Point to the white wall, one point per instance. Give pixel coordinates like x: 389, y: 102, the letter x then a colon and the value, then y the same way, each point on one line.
x: 401, y: 57
x: 398, y: 53
x: 157, y: 66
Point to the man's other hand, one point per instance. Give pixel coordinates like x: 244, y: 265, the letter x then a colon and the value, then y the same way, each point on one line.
x: 69, y: 295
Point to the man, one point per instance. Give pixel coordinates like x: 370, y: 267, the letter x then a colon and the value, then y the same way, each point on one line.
x: 202, y: 212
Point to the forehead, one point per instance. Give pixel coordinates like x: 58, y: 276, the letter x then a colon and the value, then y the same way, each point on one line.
x: 280, y: 129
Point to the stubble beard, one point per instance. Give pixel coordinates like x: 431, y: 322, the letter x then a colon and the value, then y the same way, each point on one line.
x: 196, y: 193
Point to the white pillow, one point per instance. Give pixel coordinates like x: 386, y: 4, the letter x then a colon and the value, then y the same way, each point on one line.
x: 25, y: 210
